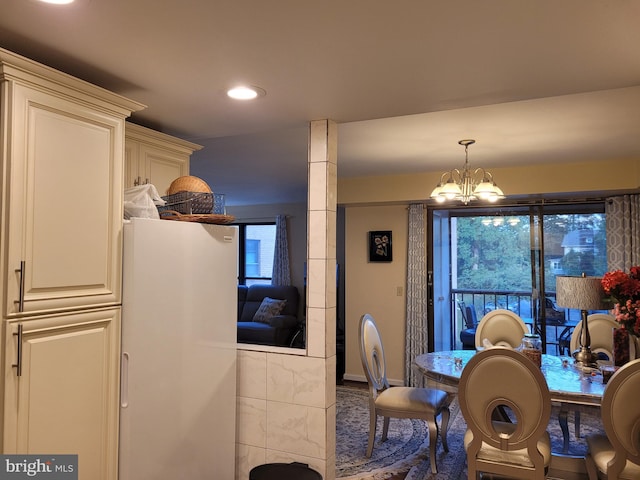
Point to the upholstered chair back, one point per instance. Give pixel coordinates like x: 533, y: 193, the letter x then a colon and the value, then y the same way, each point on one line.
x: 502, y: 328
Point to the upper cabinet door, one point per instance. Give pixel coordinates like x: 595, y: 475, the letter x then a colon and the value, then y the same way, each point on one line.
x: 149, y: 164
x: 64, y: 215
x: 161, y: 167
x: 154, y: 157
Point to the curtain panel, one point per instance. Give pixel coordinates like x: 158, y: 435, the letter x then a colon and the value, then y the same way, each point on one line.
x: 623, y: 232
x: 281, y: 274
x: 416, y: 328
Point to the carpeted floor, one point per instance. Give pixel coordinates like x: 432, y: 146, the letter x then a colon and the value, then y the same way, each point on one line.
x: 405, y: 451
x: 404, y: 456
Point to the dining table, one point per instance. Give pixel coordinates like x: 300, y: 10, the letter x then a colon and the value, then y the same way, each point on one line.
x: 568, y: 383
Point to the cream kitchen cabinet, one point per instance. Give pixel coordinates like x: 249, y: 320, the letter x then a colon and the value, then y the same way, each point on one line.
x: 61, y: 209
x: 62, y: 160
x: 154, y: 157
x: 61, y: 393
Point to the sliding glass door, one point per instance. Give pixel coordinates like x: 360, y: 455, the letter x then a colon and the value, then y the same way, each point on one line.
x: 482, y: 259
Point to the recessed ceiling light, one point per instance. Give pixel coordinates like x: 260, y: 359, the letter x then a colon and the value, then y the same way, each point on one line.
x: 245, y: 92
x: 62, y: 3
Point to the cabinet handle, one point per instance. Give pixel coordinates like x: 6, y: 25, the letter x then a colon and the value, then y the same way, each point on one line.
x: 18, y: 363
x: 124, y: 381
x: 20, y: 300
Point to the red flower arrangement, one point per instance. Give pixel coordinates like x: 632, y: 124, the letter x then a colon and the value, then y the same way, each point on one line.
x: 624, y: 291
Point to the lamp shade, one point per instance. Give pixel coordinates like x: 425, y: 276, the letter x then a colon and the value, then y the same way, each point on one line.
x: 582, y: 293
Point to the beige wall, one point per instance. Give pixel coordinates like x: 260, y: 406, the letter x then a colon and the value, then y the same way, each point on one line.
x: 608, y: 175
x: 373, y: 287
x: 379, y: 203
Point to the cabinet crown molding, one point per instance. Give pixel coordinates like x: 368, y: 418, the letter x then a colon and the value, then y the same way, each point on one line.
x: 147, y: 135
x: 23, y: 70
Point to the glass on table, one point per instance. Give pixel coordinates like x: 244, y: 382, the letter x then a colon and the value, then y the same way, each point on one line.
x: 532, y: 347
x: 607, y: 372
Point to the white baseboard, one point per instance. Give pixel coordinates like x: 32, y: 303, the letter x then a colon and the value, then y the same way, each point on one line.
x: 361, y: 378
x: 354, y: 378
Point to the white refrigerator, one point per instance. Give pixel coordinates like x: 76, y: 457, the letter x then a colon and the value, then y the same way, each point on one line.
x: 178, y: 376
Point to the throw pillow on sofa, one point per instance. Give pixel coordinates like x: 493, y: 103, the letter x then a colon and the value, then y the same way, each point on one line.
x: 269, y: 308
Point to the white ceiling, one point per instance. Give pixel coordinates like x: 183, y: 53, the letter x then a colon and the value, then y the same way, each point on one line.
x: 532, y: 81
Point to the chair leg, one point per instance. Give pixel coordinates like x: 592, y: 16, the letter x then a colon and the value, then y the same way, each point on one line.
x: 433, y: 443
x: 576, y: 422
x: 385, y: 428
x: 373, y: 421
x: 592, y: 470
x: 444, y: 427
x: 562, y: 420
x: 500, y: 415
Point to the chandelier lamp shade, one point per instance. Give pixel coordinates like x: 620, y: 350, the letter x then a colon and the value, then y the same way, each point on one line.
x: 584, y: 294
x: 466, y: 184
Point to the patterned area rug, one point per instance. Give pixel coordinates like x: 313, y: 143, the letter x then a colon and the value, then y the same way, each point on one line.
x: 406, y: 450
x: 407, y: 445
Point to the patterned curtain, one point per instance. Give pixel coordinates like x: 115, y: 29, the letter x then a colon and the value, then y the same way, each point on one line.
x: 623, y: 232
x: 416, y: 341
x: 281, y: 274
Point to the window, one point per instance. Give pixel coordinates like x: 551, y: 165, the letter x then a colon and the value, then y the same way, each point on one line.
x: 256, y: 244
x: 490, y: 258
x: 252, y: 257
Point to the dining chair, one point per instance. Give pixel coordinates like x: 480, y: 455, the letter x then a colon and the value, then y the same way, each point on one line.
x: 616, y: 454
x: 502, y: 328
x: 399, y: 402
x: 521, y: 448
x: 600, y: 331
x: 601, y: 326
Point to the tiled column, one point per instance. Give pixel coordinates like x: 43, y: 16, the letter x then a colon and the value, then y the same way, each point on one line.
x: 321, y: 266
x: 285, y: 400
x: 321, y: 226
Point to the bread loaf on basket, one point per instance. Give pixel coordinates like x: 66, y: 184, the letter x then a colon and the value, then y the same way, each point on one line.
x: 189, y: 195
x: 188, y: 183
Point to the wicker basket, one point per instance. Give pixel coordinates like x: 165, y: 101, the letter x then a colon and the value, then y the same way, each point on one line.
x: 188, y: 183
x: 188, y: 203
x: 188, y: 195
x: 210, y: 218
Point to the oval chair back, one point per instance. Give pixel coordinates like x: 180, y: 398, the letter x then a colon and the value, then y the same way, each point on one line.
x: 372, y: 355
x: 502, y: 378
x: 502, y: 328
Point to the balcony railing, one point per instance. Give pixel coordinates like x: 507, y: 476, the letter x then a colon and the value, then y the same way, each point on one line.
x: 559, y: 323
x: 486, y: 301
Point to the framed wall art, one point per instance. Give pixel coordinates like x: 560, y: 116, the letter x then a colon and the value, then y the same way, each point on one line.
x: 380, y: 247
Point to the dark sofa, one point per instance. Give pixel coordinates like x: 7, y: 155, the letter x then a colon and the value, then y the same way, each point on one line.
x: 280, y: 329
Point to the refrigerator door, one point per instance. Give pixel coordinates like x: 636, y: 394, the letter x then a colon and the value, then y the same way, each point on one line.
x: 177, y: 416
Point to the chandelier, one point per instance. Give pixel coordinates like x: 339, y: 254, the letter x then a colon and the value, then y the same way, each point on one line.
x: 467, y: 185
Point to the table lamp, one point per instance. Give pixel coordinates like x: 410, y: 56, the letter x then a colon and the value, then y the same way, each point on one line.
x: 582, y: 293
